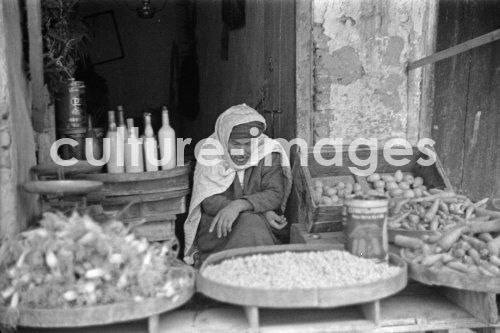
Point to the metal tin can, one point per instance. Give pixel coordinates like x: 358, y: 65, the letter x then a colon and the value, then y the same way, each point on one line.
x: 71, y: 106
x: 365, y: 227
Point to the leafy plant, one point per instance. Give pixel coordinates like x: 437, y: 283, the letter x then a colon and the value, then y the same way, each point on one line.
x: 65, y: 38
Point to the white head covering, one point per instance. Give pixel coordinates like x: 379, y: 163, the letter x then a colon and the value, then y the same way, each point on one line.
x: 219, y: 175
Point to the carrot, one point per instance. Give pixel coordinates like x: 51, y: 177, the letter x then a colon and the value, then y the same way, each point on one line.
x: 444, y: 207
x: 484, y: 271
x: 468, y: 260
x: 405, y: 225
x: 495, y: 260
x: 488, y: 226
x: 486, y: 212
x: 435, y: 190
x: 494, y: 246
x: 449, y: 200
x: 479, y: 219
x: 451, y: 236
x: 432, y: 211
x: 432, y: 238
x: 459, y: 253
x: 464, y: 245
x: 461, y: 267
x: 481, y: 203
x: 430, y: 260
x: 400, y: 205
x: 475, y: 256
x: 475, y: 243
x: 434, y: 224
x: 485, y: 237
x: 457, y: 218
x: 468, y: 212
x: 489, y: 267
x: 408, y: 242
x: 433, y: 197
x: 446, y: 258
x: 398, y: 219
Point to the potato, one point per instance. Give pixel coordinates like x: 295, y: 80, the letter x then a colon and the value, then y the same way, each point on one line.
x: 335, y: 198
x: 318, y: 183
x: 423, y: 188
x: 373, y: 177
x: 397, y: 192
x: 418, y: 181
x: 357, y: 188
x: 326, y: 201
x: 380, y: 191
x: 418, y: 192
x: 340, y: 185
x: 408, y: 194
x: 391, y: 186
x: 414, y: 218
x: 409, y: 179
x: 330, y: 191
x: 398, y: 176
x: 341, y: 193
x: 317, y: 194
x: 379, y: 184
x: 388, y: 178
x: 404, y: 185
x: 348, y: 189
x: 373, y: 192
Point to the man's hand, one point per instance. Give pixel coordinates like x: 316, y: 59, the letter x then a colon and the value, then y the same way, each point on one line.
x: 276, y: 221
x: 224, y: 220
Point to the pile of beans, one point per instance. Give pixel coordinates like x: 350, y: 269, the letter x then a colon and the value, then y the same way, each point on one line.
x: 299, y: 270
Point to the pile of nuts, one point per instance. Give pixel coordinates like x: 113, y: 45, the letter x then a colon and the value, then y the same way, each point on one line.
x: 299, y: 270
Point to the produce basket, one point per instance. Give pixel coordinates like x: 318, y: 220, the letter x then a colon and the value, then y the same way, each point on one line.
x: 367, y: 295
x: 101, y: 315
x: 326, y: 218
x: 73, y: 272
x: 450, y: 278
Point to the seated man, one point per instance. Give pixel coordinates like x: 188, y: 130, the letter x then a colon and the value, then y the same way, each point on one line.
x: 238, y: 198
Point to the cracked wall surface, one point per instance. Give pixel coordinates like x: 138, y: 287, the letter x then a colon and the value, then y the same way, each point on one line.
x: 17, y: 146
x: 361, y: 49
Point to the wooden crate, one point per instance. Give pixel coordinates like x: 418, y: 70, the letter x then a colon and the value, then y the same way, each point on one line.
x: 317, y: 218
x: 148, y: 205
x: 155, y: 231
x: 176, y: 179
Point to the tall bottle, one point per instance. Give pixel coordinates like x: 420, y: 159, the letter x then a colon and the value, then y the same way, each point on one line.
x: 133, y: 150
x: 150, y: 145
x: 166, y: 138
x: 121, y: 127
x: 96, y: 150
x: 115, y: 148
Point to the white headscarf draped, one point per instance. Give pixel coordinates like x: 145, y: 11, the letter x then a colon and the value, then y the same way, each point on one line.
x: 219, y: 175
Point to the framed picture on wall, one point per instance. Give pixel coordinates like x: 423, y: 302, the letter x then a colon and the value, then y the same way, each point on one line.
x: 105, y: 42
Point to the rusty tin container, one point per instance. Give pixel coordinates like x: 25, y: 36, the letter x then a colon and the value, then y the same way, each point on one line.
x: 365, y: 227
x: 71, y: 106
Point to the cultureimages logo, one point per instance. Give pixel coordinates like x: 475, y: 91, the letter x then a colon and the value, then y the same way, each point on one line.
x: 362, y: 156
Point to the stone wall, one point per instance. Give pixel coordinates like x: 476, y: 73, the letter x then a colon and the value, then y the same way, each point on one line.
x: 17, y: 146
x: 361, y: 49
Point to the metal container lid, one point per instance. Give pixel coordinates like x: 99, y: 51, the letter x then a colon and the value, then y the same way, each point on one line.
x: 368, y: 201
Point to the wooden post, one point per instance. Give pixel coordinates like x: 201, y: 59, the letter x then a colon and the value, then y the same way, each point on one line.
x: 481, y: 305
x: 43, y: 120
x: 372, y: 311
x: 154, y: 324
x: 304, y: 69
x: 252, y: 313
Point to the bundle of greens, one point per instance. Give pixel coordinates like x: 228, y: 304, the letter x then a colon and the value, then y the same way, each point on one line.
x: 75, y: 262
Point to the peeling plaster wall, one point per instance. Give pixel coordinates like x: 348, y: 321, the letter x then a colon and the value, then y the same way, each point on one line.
x: 360, y: 53
x: 17, y: 146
